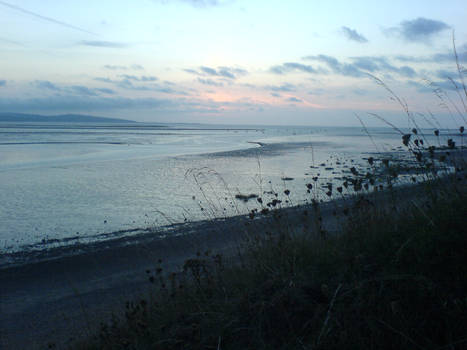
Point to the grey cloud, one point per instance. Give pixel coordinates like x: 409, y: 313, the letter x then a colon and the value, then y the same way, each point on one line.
x: 105, y: 91
x: 375, y: 64
x: 71, y: 90
x: 406, y: 71
x: 434, y: 86
x: 294, y: 99
x: 361, y: 65
x: 275, y: 94
x: 414, y: 59
x: 317, y: 92
x: 353, y: 35
x: 445, y: 74
x: 143, y: 78
x: 419, y: 29
x: 228, y: 72
x: 224, y: 72
x: 191, y: 71
x: 292, y: 66
x: 127, y: 84
x: 105, y: 44
x: 82, y: 90
x: 287, y: 87
x: 278, y: 70
x: 367, y: 63
x: 148, y: 78
x: 337, y: 67
x: 137, y: 67
x: 123, y: 83
x: 2, y: 83
x: 168, y: 90
x: 438, y: 57
x: 360, y: 92
x: 113, y: 67
x: 210, y: 82
x: 449, y: 57
x: 17, y: 43
x: 45, y: 84
x: 209, y: 71
x: 104, y: 80
x: 44, y: 18
x: 82, y: 103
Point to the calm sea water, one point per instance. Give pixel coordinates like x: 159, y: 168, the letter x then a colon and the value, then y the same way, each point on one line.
x: 60, y: 184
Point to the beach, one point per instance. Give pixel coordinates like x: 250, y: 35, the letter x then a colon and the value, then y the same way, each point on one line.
x: 67, y: 297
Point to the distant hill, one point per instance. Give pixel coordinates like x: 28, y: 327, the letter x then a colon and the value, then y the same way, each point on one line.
x: 62, y: 118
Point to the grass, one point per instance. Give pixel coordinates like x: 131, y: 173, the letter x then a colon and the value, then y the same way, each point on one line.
x: 388, y: 280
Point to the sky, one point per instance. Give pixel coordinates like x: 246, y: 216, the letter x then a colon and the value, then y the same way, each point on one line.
x: 235, y: 61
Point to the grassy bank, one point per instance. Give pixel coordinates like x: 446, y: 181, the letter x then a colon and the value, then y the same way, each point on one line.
x: 391, y: 279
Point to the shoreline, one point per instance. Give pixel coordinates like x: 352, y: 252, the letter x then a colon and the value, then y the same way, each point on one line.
x: 69, y: 296
x: 83, y: 245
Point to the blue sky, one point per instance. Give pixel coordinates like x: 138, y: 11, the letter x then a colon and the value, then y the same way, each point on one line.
x: 231, y: 61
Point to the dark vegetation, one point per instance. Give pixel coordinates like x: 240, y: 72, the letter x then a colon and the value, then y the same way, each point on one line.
x: 393, y: 276
x: 389, y: 280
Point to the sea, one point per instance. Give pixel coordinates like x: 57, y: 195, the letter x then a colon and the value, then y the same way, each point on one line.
x: 69, y: 183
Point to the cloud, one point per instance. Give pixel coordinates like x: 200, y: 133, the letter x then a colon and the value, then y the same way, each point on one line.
x: 72, y: 90
x: 45, y: 84
x: 275, y: 94
x: 223, y: 72
x: 127, y: 83
x: 137, y: 67
x: 438, y: 57
x: 113, y: 67
x: 294, y: 99
x: 2, y: 83
x: 412, y: 59
x: 8, y: 41
x: 105, y: 91
x: 44, y: 18
x: 191, y: 71
x: 360, y: 66
x: 353, y: 35
x: 360, y: 92
x: 143, y: 78
x: 381, y: 64
x: 82, y: 103
x: 434, y: 86
x: 210, y: 82
x: 317, y: 92
x: 445, y: 74
x: 104, y: 80
x: 419, y: 29
x: 287, y: 87
x: 82, y: 90
x: 105, y: 44
x: 336, y: 66
x: 449, y: 57
x: 291, y: 67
